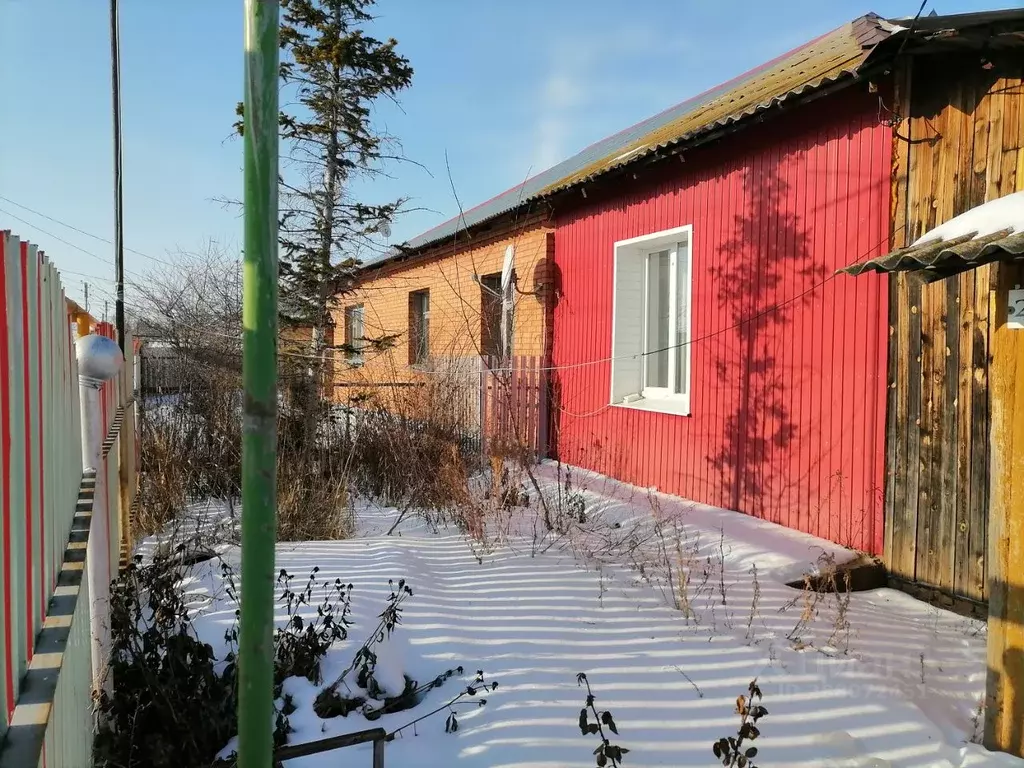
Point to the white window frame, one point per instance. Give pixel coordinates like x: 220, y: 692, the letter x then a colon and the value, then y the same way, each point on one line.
x: 354, y: 356
x: 636, y: 252
x: 421, y: 297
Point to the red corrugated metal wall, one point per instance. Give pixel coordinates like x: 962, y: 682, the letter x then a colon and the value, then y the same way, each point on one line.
x: 788, y: 404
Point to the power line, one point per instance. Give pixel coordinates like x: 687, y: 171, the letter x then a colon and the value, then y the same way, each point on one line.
x: 60, y: 239
x: 569, y: 366
x: 73, y: 228
x: 85, y: 274
x: 910, y: 31
x: 712, y: 334
x: 566, y: 366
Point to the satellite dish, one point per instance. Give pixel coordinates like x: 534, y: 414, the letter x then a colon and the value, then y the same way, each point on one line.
x: 507, y: 300
x: 385, y: 228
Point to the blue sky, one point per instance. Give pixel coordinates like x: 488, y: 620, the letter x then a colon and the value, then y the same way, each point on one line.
x: 505, y: 88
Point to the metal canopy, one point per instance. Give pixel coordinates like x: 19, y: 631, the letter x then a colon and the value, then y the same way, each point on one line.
x: 937, y: 259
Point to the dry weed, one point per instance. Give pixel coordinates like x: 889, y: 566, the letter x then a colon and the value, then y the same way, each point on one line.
x: 755, y: 603
x: 814, y: 597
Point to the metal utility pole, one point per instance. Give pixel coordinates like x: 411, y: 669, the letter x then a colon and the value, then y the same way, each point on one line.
x: 86, y: 295
x: 115, y: 82
x: 259, y: 378
x: 106, y: 306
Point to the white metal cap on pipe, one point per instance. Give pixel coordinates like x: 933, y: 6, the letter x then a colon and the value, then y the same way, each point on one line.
x: 99, y: 359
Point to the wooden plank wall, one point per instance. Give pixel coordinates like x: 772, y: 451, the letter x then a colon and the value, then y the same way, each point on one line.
x: 962, y: 145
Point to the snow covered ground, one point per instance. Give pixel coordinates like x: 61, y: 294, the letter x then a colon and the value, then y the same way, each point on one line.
x: 885, y: 681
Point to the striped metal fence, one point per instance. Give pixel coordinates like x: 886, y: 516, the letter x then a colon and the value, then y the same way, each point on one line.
x: 47, y: 674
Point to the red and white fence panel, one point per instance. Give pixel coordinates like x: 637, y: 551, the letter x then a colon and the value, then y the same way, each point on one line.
x: 47, y: 673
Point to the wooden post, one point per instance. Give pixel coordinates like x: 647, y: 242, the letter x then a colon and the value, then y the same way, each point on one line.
x: 484, y: 383
x: 543, y: 414
x: 1004, y: 704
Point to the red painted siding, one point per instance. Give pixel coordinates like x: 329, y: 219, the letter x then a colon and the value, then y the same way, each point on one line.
x: 788, y: 363
x: 9, y: 574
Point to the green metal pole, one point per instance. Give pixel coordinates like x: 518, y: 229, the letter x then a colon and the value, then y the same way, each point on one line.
x: 259, y: 374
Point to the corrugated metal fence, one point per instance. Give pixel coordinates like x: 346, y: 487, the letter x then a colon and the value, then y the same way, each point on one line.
x: 46, y: 672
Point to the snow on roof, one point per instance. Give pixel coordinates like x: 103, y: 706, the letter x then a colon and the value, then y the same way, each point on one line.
x: 986, y: 219
x: 890, y: 25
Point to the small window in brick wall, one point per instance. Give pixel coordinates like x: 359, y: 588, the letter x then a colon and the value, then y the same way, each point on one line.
x: 490, y: 315
x: 419, y: 327
x: 354, y: 334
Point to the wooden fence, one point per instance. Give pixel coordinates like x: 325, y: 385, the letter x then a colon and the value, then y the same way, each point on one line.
x: 514, y: 405
x: 46, y: 670
x: 160, y: 370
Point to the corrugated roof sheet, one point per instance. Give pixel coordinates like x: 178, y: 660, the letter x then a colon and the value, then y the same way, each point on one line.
x: 937, y: 259
x: 958, y: 21
x: 812, y: 65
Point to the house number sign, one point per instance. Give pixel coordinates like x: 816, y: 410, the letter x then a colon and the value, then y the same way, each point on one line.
x: 1015, y: 309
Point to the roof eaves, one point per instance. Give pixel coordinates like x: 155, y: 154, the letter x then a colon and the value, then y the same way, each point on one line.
x: 834, y: 56
x: 821, y: 62
x: 959, y: 21
x: 651, y: 149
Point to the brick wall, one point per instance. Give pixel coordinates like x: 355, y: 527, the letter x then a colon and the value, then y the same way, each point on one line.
x: 455, y: 326
x: 295, y: 339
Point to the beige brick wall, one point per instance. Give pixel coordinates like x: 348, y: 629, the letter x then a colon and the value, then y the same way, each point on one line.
x: 455, y: 303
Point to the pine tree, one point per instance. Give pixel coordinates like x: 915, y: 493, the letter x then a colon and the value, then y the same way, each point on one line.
x: 333, y: 72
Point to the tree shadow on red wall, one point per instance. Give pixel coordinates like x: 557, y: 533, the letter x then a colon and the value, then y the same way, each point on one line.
x: 765, y: 263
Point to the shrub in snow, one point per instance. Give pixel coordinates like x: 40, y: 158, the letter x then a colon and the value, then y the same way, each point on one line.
x: 301, y: 644
x: 466, y: 696
x: 170, y: 706
x: 375, y: 685
x: 732, y: 750
x: 815, y: 595
x: 174, y: 703
x: 571, y: 503
x: 376, y: 688
x: 606, y: 753
x: 364, y: 662
x: 171, y: 689
x: 190, y: 448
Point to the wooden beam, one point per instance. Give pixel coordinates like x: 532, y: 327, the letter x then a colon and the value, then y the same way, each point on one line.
x: 1004, y: 705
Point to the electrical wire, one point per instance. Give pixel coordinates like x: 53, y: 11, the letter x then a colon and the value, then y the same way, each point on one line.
x: 597, y: 361
x: 60, y: 239
x: 563, y: 367
x: 712, y: 334
x: 910, y: 30
x: 73, y: 228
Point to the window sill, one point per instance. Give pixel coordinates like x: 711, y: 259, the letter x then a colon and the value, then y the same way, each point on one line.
x: 658, y: 405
